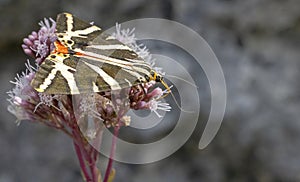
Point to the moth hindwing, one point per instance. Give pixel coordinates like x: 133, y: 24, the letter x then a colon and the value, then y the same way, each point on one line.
x: 87, y: 60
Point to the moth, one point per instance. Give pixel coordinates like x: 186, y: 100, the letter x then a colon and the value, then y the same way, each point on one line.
x: 86, y: 60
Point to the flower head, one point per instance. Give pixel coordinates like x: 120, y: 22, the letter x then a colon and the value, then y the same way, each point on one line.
x: 72, y: 113
x: 40, y: 44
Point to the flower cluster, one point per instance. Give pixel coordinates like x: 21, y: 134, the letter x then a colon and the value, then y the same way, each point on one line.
x: 39, y: 45
x: 69, y: 113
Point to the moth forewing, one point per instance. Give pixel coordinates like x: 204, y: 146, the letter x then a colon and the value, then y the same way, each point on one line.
x: 86, y: 60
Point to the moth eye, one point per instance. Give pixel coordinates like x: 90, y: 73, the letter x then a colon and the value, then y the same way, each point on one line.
x: 158, y: 78
x: 70, y: 42
x: 65, y: 55
x: 53, y: 56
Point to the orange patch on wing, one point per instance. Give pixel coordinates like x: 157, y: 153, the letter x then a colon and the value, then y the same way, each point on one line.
x: 79, y: 54
x: 60, y: 48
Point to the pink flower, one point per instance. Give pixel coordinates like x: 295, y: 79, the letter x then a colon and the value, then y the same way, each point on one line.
x: 39, y: 45
x: 68, y: 113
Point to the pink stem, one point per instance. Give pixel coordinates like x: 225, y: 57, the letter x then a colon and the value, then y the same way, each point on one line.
x: 112, y: 153
x: 93, y: 167
x: 86, y: 156
x: 81, y: 162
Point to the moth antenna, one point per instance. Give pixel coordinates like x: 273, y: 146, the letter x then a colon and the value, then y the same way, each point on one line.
x: 181, y: 109
x: 190, y: 83
x: 173, y: 96
x: 167, y: 87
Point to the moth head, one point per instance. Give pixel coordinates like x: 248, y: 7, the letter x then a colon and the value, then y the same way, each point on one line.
x: 155, y: 76
x: 159, y: 78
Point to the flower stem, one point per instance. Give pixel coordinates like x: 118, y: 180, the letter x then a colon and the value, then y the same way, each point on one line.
x: 112, y: 153
x: 82, y: 162
x: 93, y: 167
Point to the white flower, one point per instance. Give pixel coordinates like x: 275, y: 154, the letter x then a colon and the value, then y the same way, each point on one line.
x: 47, y: 30
x: 42, y: 49
x: 21, y: 81
x: 20, y: 92
x: 19, y: 112
x: 155, y: 105
x: 46, y: 36
x: 127, y: 37
x: 47, y: 100
x: 88, y: 105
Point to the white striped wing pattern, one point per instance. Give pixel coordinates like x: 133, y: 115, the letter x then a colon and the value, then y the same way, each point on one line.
x: 86, y: 60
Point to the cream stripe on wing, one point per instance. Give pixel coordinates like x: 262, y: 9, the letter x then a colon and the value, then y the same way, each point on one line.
x: 134, y: 74
x: 47, y: 81
x: 69, y: 22
x: 110, y: 38
x: 95, y: 88
x: 114, y: 85
x: 113, y: 61
x: 64, y: 70
x: 109, y: 47
x: 78, y: 33
x: 128, y: 82
x: 89, y: 54
x: 88, y: 30
x: 82, y: 33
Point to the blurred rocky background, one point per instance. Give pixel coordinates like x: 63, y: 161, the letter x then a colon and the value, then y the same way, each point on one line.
x: 257, y: 43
